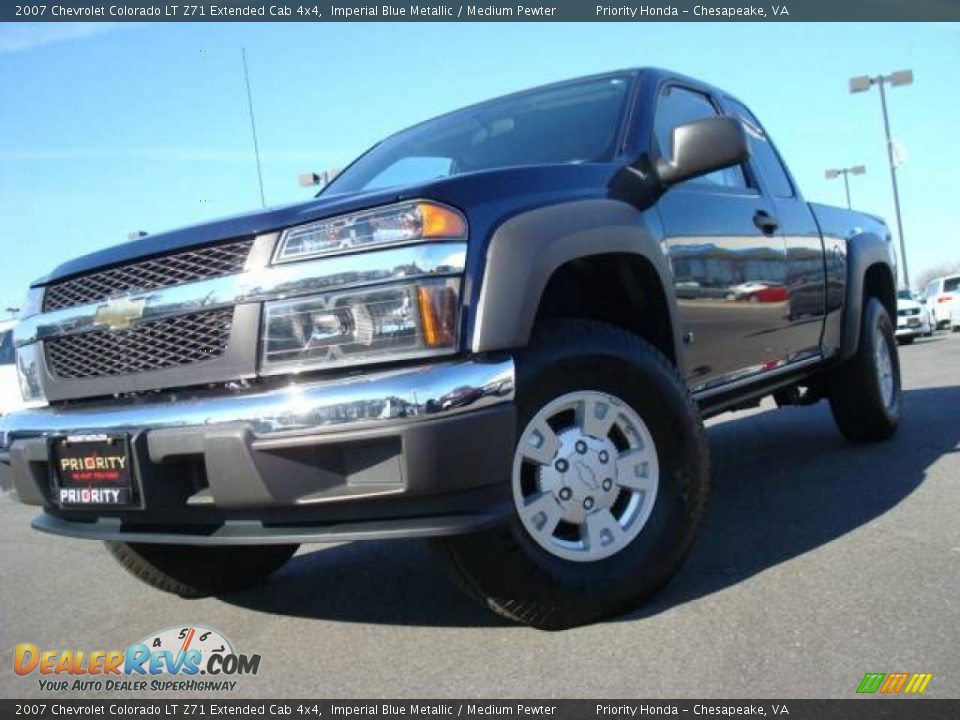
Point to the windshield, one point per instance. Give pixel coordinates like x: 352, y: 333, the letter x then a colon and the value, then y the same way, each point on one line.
x: 905, y: 295
x: 572, y: 123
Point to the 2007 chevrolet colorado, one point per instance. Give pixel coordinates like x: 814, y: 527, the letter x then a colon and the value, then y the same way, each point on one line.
x: 500, y: 328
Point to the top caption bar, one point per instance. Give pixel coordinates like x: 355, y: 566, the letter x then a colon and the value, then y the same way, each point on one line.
x: 489, y: 11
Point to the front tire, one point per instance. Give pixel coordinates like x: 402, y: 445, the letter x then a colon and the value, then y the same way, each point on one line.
x: 865, y: 392
x: 609, y: 482
x: 194, y: 572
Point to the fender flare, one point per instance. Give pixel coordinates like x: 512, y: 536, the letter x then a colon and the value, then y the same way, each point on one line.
x: 863, y: 252
x: 527, y: 249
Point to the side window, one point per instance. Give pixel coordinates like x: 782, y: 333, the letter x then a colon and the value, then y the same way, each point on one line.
x: 763, y: 154
x: 677, y: 106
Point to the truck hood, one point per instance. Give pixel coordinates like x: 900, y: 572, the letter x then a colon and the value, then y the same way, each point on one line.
x: 234, y: 226
x: 487, y: 197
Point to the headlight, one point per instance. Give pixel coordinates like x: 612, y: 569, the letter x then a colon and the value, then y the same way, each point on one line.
x: 32, y: 304
x: 392, y: 322
x: 392, y: 225
x: 28, y: 373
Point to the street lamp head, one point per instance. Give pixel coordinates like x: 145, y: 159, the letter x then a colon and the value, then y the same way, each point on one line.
x: 858, y: 169
x: 860, y: 84
x: 901, y: 77
x: 831, y: 174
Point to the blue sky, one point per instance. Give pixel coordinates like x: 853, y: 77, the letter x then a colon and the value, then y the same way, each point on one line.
x: 106, y: 129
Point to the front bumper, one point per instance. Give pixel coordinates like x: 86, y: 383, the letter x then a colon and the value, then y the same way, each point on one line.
x: 410, y: 452
x: 910, y: 325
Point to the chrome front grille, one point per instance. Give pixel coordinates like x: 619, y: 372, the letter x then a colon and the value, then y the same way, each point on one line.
x: 155, y: 345
x: 165, y: 271
x: 164, y: 338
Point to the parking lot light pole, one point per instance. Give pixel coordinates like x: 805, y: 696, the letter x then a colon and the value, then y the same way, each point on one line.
x: 855, y: 170
x: 862, y: 84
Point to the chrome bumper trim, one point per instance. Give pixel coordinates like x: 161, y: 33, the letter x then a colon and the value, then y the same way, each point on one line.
x: 310, y: 406
x: 259, y: 283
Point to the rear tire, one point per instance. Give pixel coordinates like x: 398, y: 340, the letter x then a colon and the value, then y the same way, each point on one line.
x: 865, y: 392
x: 629, y: 497
x: 194, y: 572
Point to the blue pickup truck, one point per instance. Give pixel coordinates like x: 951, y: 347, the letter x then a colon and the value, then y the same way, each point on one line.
x: 500, y: 329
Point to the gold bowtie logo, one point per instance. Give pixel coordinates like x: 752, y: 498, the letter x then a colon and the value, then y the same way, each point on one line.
x: 119, y: 313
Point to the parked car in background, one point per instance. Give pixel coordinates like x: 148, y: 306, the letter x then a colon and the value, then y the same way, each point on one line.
x: 10, y: 398
x: 746, y: 290
x: 766, y: 294
x: 942, y: 295
x: 955, y: 317
x: 912, y: 318
x: 694, y: 290
x: 927, y: 311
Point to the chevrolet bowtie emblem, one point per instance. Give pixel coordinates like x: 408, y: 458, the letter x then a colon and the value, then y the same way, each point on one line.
x: 119, y: 313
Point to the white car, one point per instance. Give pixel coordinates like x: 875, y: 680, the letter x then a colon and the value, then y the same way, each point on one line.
x: 927, y: 311
x: 9, y: 386
x: 747, y: 289
x: 912, y: 318
x: 942, y: 295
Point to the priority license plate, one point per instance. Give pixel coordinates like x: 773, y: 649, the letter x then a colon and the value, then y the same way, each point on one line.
x: 92, y: 470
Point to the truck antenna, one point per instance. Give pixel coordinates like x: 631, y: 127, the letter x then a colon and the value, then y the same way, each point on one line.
x: 253, y: 126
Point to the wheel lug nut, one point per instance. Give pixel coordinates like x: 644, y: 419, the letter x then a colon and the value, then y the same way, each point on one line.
x: 588, y: 503
x: 565, y: 493
x: 562, y: 465
x: 607, y: 484
x: 604, y: 456
x: 581, y: 447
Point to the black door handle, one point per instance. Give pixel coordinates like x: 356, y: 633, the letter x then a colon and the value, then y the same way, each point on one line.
x: 765, y: 221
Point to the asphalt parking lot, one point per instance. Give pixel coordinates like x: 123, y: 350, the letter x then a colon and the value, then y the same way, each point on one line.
x: 818, y: 561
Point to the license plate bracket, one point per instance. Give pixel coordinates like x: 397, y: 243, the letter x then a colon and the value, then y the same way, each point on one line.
x: 92, y: 470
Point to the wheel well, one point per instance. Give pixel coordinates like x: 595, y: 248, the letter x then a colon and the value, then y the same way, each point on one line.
x: 617, y: 288
x: 878, y: 282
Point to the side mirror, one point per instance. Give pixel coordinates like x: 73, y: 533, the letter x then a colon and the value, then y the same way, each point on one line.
x: 702, y: 146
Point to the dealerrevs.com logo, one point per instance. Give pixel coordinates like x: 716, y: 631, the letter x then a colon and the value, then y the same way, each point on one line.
x: 179, y: 659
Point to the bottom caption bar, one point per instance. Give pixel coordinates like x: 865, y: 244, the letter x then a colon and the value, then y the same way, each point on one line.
x: 868, y: 709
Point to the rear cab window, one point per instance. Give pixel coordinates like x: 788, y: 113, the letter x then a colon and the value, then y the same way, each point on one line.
x: 763, y: 154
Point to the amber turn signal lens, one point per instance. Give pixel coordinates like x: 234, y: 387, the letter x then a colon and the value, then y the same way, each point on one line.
x: 438, y: 314
x: 441, y: 222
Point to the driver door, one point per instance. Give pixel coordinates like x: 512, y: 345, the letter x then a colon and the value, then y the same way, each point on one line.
x: 728, y: 259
